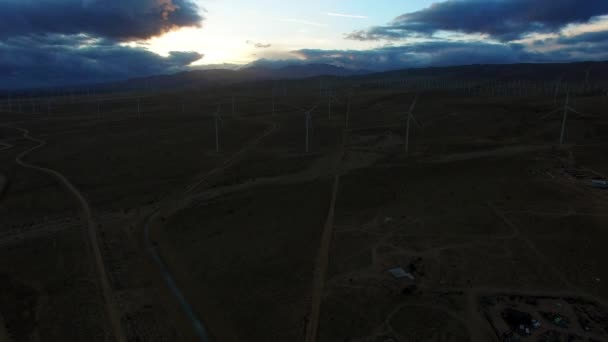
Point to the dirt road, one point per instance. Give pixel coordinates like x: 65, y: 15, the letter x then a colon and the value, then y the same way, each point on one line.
x: 110, y: 303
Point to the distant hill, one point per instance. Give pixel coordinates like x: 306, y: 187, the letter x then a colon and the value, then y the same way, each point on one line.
x: 201, y: 78
x: 567, y: 72
x: 594, y: 72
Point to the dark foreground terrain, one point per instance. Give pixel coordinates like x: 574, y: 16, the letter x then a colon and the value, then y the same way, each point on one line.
x: 126, y: 224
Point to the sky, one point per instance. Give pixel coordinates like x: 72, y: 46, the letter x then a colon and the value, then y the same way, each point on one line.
x: 64, y: 42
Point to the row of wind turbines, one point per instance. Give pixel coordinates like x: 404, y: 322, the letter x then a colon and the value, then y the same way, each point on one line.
x: 325, y: 92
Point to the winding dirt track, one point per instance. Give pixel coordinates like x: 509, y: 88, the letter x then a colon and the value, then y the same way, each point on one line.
x: 320, y: 270
x: 110, y: 303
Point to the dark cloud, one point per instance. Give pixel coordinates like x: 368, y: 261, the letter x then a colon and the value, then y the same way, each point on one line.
x: 584, y: 46
x: 450, y: 53
x: 66, y: 60
x: 436, y: 53
x: 63, y: 42
x: 505, y: 20
x: 113, y: 19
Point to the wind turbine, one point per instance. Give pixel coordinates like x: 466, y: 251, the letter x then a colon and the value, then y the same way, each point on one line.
x: 218, y: 120
x: 567, y: 108
x: 308, y: 125
x: 273, y: 102
x: 409, y: 118
x: 349, y: 99
x: 232, y: 105
x: 587, y: 76
x: 331, y: 97
x: 564, y: 119
x: 557, y: 89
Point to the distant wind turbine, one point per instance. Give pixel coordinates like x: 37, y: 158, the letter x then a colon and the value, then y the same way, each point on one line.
x: 218, y: 119
x: 562, y: 136
x: 308, y: 125
x: 410, y: 116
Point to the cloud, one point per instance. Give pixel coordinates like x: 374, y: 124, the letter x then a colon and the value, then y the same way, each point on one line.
x: 119, y: 20
x: 56, y: 60
x: 587, y: 37
x: 504, y: 20
x: 258, y: 45
x: 303, y: 22
x: 343, y: 15
x: 63, y: 42
x: 432, y: 53
x: 591, y: 46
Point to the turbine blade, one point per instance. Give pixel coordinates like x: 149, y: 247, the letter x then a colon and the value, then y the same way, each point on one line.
x: 550, y: 113
x: 413, y: 104
x: 415, y: 120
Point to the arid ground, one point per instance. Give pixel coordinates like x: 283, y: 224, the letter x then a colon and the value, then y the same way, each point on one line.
x: 123, y: 223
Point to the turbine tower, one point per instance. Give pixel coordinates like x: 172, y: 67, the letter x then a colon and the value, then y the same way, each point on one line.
x: 218, y: 119
x: 562, y: 136
x: 308, y: 126
x: 232, y: 105
x: 330, y: 98
x: 567, y: 108
x: 273, y: 101
x: 348, y: 103
x: 409, y: 118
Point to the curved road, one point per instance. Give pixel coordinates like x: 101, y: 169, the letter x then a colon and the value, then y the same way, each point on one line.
x: 110, y: 304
